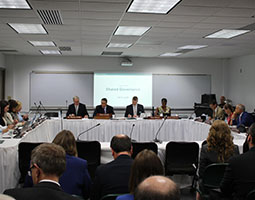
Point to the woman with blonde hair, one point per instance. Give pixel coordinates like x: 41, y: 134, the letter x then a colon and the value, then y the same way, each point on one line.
x: 146, y: 164
x: 219, y: 147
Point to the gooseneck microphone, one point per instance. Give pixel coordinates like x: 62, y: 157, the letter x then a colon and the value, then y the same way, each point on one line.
x: 37, y: 107
x: 78, y: 138
x: 156, y: 136
x: 133, y: 125
x: 42, y: 106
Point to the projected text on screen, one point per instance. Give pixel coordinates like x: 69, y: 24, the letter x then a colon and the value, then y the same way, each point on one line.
x: 120, y: 88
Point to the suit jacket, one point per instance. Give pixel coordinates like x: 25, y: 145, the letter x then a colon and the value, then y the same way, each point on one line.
x: 41, y: 191
x: 129, y: 110
x: 75, y: 180
x: 112, y: 178
x: 210, y: 157
x: 239, y: 177
x: 99, y: 109
x: 246, y: 120
x: 82, y: 110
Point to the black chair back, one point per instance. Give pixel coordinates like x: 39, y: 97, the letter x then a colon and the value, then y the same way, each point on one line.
x: 25, y: 149
x: 140, y: 146
x: 251, y: 195
x: 51, y: 114
x: 90, y: 151
x: 181, y: 158
x: 213, y: 175
x: 204, y: 142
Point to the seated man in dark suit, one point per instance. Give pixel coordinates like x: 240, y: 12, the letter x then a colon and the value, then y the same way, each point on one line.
x: 77, y: 109
x: 134, y: 110
x: 241, y: 117
x: 113, y: 177
x: 239, y: 177
x: 48, y: 162
x: 104, y: 108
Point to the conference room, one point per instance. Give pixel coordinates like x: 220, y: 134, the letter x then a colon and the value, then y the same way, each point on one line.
x: 165, y: 73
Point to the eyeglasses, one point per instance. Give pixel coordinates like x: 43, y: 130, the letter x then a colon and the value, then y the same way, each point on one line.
x: 30, y: 170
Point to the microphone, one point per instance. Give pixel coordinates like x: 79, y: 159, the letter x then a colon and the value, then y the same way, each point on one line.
x: 42, y: 106
x: 152, y: 113
x: 66, y: 103
x: 156, y: 136
x: 133, y: 125
x: 37, y: 107
x: 78, y: 138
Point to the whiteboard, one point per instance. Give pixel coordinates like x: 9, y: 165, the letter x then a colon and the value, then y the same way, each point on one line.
x: 53, y: 89
x: 181, y: 91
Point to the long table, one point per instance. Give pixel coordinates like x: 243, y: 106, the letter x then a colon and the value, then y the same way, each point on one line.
x: 144, y: 130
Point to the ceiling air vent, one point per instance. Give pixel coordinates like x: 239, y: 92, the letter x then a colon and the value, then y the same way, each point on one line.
x: 111, y: 53
x: 65, y: 48
x: 50, y: 17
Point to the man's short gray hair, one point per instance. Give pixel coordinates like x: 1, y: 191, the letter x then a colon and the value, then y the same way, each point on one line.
x: 50, y: 158
x: 241, y: 106
x: 76, y: 97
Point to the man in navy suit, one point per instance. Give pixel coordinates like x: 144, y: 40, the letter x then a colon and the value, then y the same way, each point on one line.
x: 48, y: 162
x: 113, y: 177
x: 77, y: 109
x: 239, y: 177
x: 104, y: 108
x: 134, y: 110
x: 241, y: 117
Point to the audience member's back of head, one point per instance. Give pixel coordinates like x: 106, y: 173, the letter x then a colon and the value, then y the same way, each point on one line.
x: 251, y: 132
x: 13, y: 104
x: 146, y: 164
x: 157, y: 188
x: 220, y: 140
x: 50, y: 158
x: 66, y: 139
x: 121, y: 143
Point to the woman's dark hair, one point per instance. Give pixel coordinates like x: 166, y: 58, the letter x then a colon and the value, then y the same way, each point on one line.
x: 164, y: 100
x: 66, y: 139
x: 146, y: 164
x: 228, y: 106
x: 13, y: 104
x: 3, y: 104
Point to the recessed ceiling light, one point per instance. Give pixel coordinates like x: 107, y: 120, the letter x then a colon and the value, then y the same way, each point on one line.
x: 170, y: 54
x: 227, y: 33
x: 42, y: 43
x: 14, y: 4
x: 131, y: 30
x: 28, y: 28
x: 119, y: 45
x: 193, y: 47
x: 152, y: 6
x: 50, y: 52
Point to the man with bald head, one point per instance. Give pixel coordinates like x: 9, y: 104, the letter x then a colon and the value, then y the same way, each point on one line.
x: 157, y: 188
x: 113, y: 177
x: 241, y: 117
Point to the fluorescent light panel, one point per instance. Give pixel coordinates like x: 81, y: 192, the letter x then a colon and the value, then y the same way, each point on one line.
x: 131, y: 30
x: 170, y: 54
x: 193, y: 47
x: 119, y: 45
x: 152, y: 6
x: 28, y: 28
x: 14, y: 4
x: 42, y: 43
x: 50, y: 52
x: 227, y: 33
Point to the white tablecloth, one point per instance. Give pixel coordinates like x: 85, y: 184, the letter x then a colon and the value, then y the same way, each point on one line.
x: 144, y: 130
